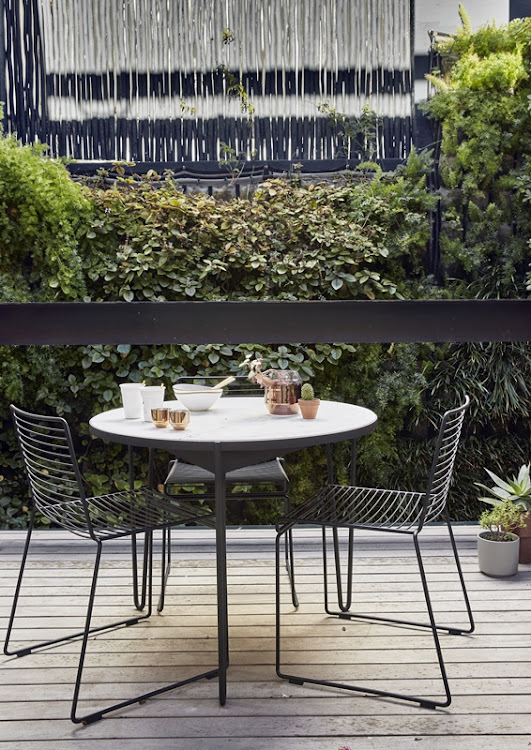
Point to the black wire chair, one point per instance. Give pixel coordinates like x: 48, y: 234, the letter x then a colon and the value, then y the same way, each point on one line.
x: 261, y: 481
x: 57, y: 492
x: 395, y: 511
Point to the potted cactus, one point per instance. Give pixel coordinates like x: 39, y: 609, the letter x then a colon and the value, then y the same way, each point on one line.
x: 308, y: 404
x: 516, y: 489
x: 498, y: 545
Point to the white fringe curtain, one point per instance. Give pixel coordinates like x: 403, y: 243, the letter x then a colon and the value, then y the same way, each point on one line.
x: 142, y: 77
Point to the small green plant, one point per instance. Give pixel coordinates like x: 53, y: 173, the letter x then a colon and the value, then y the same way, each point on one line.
x: 307, y: 393
x: 355, y: 135
x: 227, y: 35
x: 502, y: 520
x: 236, y: 89
x: 516, y: 489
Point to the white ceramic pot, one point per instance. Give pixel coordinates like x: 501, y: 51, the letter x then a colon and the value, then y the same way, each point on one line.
x: 498, y: 559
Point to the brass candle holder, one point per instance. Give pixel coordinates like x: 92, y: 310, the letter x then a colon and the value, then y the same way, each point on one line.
x: 179, y: 420
x: 160, y: 417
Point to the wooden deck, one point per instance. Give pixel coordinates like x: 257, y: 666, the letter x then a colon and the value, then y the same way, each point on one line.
x: 489, y: 672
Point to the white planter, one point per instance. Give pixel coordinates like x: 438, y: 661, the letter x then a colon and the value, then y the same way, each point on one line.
x: 498, y: 559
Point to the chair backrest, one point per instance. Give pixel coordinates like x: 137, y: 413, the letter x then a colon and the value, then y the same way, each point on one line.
x: 443, y: 461
x: 51, y: 466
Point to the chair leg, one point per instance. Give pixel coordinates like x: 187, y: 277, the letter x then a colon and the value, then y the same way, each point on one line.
x: 17, y: 589
x: 344, y: 609
x: 139, y: 596
x: 97, y: 715
x: 139, y: 593
x: 29, y: 649
x: 431, y: 703
x: 165, y: 566
x: 298, y: 679
x: 343, y: 604
x: 288, y: 555
x: 277, y: 603
x: 288, y: 562
x: 457, y: 631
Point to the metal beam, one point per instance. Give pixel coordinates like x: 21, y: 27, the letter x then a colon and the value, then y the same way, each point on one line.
x: 3, y: 65
x: 265, y: 322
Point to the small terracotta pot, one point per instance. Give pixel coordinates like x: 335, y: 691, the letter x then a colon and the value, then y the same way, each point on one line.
x: 309, y: 408
x: 525, y: 541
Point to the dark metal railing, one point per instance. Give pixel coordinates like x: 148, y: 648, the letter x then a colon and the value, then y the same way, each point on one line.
x: 77, y: 323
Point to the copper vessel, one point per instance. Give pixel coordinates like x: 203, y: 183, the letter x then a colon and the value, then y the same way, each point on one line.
x: 282, y: 389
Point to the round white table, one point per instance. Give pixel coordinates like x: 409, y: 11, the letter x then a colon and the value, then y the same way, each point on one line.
x: 236, y: 432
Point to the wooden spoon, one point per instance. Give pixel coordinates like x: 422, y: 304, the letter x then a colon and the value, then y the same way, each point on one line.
x: 223, y: 383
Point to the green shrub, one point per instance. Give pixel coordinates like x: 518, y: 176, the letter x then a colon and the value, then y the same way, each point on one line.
x: 482, y: 104
x: 356, y: 238
x: 41, y: 212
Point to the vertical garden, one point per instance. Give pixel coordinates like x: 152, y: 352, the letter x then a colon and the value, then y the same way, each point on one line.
x: 362, y: 235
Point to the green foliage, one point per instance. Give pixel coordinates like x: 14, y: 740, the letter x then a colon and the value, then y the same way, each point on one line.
x: 482, y: 104
x: 502, y: 520
x: 41, y: 211
x: 354, y: 136
x: 356, y: 238
x: 517, y: 489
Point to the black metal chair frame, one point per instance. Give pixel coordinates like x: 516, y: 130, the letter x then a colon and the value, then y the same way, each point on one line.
x: 57, y: 492
x: 269, y: 473
x: 399, y: 512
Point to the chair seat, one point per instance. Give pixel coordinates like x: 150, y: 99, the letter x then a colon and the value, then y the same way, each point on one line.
x: 124, y: 513
x: 269, y: 472
x: 338, y: 505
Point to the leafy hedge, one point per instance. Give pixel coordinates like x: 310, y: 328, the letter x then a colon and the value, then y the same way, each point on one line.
x: 355, y: 238
x: 482, y: 102
x: 360, y: 236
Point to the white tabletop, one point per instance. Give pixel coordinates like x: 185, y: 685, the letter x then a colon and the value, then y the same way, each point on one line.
x: 241, y: 426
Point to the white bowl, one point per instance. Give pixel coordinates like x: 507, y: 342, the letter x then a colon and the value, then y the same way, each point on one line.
x: 196, y: 397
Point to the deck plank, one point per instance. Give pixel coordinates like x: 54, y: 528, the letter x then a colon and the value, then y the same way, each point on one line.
x: 489, y: 671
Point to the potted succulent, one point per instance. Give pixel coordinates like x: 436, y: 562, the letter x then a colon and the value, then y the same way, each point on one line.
x: 308, y: 404
x: 517, y: 489
x: 498, y: 545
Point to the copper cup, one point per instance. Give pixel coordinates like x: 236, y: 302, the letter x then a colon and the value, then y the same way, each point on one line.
x: 179, y: 420
x: 160, y: 417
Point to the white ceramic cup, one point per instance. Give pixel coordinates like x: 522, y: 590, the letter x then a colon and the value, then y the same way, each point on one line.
x: 131, y: 400
x: 152, y: 398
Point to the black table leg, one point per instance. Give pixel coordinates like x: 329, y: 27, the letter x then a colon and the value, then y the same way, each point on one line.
x: 221, y: 570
